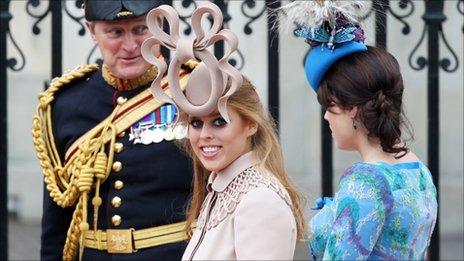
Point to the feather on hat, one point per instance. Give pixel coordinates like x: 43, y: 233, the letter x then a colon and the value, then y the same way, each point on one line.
x: 315, y: 13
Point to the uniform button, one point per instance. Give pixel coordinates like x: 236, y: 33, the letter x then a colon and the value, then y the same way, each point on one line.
x: 116, y: 202
x: 121, y: 135
x: 116, y: 219
x: 118, y: 184
x: 117, y: 166
x: 118, y: 147
x: 121, y: 100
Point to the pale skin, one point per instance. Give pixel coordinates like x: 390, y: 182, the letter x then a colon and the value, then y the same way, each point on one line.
x: 346, y: 137
x: 119, y: 43
x: 218, y: 143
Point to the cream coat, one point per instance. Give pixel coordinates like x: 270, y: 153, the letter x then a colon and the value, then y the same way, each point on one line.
x: 246, y: 215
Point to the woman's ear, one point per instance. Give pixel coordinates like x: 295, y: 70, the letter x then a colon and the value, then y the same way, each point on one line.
x: 353, y: 112
x: 252, y: 128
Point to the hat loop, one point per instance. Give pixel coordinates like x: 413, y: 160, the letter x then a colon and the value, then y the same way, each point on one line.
x: 220, y: 72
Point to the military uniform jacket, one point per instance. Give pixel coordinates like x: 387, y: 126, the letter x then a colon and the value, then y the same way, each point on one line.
x: 149, y: 188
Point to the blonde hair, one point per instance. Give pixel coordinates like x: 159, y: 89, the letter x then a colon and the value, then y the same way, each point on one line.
x: 265, y: 144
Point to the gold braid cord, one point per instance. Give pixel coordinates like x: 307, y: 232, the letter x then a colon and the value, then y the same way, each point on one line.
x: 71, y: 183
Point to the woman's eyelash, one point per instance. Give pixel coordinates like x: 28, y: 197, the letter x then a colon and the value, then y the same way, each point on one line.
x: 196, y: 123
x: 219, y: 122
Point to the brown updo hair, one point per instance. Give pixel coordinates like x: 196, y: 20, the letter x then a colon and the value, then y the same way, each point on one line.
x: 371, y: 81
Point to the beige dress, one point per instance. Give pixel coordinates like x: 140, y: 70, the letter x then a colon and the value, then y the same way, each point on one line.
x: 246, y: 215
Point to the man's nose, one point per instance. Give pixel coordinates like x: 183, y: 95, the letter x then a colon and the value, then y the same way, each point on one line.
x: 130, y: 43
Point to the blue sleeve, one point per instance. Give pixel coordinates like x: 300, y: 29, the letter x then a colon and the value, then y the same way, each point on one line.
x: 360, y: 208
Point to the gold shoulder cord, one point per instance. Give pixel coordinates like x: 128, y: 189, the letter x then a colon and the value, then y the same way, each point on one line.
x: 73, y: 181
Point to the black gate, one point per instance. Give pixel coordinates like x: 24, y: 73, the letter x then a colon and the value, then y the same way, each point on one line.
x: 381, y: 9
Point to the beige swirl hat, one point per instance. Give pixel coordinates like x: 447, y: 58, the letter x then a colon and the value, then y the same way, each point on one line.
x: 206, y: 88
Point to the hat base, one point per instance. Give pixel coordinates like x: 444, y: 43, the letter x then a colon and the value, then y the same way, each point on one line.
x: 321, y: 58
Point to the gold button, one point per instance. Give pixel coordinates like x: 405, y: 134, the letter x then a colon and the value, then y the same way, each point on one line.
x: 116, y: 219
x: 116, y: 202
x: 121, y: 135
x: 118, y: 146
x: 117, y: 166
x: 121, y: 100
x: 118, y: 184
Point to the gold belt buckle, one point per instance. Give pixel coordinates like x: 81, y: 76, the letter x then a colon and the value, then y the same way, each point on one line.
x: 119, y: 241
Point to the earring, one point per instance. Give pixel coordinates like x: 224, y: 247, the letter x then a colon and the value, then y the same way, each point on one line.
x: 354, y: 125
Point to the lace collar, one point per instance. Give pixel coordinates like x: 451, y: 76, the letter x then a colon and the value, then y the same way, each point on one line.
x: 125, y: 85
x: 219, y: 181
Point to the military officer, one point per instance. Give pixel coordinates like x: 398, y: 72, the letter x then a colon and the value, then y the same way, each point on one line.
x: 116, y: 184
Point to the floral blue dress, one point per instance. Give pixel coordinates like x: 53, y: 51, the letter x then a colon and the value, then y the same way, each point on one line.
x: 380, y: 211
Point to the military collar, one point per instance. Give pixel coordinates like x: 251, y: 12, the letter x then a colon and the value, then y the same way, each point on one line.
x: 220, y: 180
x: 126, y: 85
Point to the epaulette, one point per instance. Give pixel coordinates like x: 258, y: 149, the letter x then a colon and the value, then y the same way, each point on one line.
x: 68, y: 77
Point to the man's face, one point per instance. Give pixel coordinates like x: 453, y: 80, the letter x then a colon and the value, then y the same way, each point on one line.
x: 119, y: 43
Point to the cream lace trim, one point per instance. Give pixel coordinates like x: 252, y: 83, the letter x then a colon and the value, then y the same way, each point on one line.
x: 227, y: 201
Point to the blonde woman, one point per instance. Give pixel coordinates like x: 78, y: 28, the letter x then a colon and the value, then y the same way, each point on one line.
x: 243, y: 202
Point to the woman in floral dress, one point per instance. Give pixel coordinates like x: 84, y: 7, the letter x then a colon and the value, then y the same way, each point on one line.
x: 385, y: 206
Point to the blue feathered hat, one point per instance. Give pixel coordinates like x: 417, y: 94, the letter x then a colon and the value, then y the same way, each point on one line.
x: 332, y: 29
x: 319, y: 60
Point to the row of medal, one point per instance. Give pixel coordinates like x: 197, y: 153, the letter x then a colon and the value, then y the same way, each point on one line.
x: 158, y: 126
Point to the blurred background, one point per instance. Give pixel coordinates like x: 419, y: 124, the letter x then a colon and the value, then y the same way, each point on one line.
x: 42, y: 39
